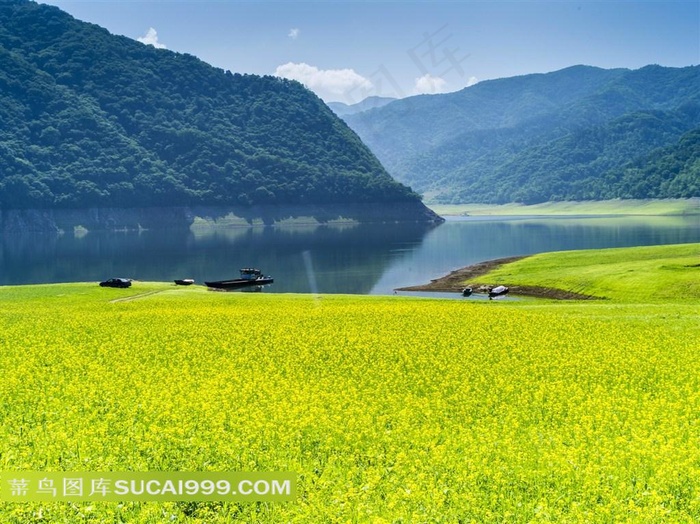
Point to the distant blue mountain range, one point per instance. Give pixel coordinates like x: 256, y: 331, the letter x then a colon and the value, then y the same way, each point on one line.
x: 580, y: 133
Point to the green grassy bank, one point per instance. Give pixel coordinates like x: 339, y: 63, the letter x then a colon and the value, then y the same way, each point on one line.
x: 388, y: 409
x: 641, y: 275
x: 607, y: 207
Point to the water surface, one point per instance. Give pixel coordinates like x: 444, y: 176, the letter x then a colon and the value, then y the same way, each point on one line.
x: 360, y: 259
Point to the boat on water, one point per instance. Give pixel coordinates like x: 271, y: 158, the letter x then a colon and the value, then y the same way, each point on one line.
x: 184, y: 281
x: 249, y: 277
x: 498, y: 291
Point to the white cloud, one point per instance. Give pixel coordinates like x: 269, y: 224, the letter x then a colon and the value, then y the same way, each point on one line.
x: 428, y: 84
x: 151, y: 38
x: 294, y: 33
x: 472, y: 80
x: 332, y: 84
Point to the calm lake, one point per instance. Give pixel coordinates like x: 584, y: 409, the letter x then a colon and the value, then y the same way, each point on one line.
x: 361, y: 259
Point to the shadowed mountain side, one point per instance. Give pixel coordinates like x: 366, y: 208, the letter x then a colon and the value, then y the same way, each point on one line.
x: 93, y: 120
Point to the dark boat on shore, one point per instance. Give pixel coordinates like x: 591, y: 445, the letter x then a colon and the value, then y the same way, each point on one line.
x: 498, y: 291
x: 184, y: 281
x: 249, y: 277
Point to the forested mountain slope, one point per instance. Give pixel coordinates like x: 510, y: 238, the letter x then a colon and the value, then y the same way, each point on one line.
x: 575, y: 134
x: 371, y: 102
x: 90, y: 119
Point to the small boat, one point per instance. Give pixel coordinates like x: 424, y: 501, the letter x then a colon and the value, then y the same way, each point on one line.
x: 184, y: 281
x: 249, y: 277
x: 467, y: 291
x: 498, y: 291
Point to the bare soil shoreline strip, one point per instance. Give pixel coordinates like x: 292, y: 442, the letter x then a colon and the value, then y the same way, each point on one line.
x: 457, y: 280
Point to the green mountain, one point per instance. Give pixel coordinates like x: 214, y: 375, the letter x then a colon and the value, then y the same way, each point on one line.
x: 371, y: 102
x: 671, y: 170
x: 567, y: 135
x: 90, y: 119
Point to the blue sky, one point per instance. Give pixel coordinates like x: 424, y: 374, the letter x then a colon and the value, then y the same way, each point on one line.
x: 347, y: 50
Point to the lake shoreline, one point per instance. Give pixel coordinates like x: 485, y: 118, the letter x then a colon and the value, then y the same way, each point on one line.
x: 619, y: 207
x: 184, y: 217
x: 457, y: 280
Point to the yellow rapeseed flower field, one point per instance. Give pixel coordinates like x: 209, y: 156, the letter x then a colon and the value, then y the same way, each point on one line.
x: 388, y: 409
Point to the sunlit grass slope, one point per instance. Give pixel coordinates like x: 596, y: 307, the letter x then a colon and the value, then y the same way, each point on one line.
x: 687, y: 206
x: 640, y: 274
x: 389, y: 409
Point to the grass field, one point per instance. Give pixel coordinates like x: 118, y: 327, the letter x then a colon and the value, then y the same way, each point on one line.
x: 389, y: 409
x: 643, y: 275
x: 689, y: 206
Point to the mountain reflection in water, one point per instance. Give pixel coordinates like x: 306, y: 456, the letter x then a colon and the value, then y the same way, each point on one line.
x: 358, y: 259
